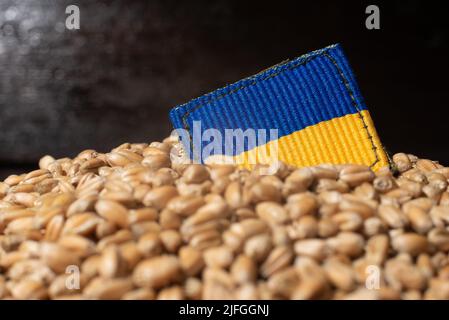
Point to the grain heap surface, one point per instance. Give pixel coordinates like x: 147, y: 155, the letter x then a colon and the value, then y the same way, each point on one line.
x: 135, y: 223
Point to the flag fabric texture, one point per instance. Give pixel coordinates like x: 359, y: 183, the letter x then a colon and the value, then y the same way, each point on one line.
x: 313, y: 103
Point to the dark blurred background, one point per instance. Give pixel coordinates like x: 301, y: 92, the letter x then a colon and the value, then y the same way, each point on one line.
x: 115, y: 79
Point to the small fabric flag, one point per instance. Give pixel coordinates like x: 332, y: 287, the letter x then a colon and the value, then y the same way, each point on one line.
x: 304, y: 112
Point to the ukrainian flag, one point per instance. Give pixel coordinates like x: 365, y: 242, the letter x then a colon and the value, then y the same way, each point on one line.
x: 313, y: 104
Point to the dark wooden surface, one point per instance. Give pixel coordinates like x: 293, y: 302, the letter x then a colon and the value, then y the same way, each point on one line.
x: 115, y: 79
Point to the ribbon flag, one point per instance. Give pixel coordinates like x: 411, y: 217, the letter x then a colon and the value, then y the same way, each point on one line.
x: 304, y: 112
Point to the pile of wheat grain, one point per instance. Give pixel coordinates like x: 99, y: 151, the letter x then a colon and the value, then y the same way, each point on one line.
x: 133, y: 224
